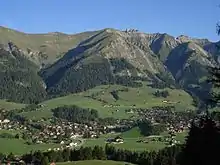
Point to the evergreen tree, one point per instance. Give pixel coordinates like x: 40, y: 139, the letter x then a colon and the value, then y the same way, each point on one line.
x: 85, y: 153
x: 98, y: 153
x: 66, y: 155
x: 45, y: 161
x: 202, y: 144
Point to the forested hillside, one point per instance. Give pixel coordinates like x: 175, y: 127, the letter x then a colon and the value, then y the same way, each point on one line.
x: 19, y: 80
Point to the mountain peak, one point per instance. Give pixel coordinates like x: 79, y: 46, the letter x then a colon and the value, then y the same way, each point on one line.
x: 183, y: 38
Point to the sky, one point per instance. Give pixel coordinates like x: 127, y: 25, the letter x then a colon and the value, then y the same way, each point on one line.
x: 195, y: 18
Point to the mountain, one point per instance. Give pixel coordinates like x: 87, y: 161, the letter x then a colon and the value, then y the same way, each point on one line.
x: 122, y: 57
x: 19, y: 80
x: 75, y: 63
x: 42, y: 49
x: 110, y: 56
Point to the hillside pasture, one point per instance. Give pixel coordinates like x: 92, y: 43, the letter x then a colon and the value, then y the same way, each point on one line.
x: 19, y: 146
x: 6, y: 105
x: 101, y: 99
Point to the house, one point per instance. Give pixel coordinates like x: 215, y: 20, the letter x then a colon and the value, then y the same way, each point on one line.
x: 73, y: 144
x: 115, y: 140
x: 6, y: 121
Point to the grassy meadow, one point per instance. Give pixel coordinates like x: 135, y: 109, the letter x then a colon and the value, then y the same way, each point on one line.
x: 130, y: 141
x: 100, y: 99
x: 19, y: 146
x: 10, y: 105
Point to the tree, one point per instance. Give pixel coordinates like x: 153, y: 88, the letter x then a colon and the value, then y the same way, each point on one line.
x: 146, y: 128
x: 17, y: 136
x: 202, y: 143
x: 98, y: 153
x: 114, y: 93
x: 11, y: 156
x: 66, y: 155
x: 85, y: 153
x: 45, y: 161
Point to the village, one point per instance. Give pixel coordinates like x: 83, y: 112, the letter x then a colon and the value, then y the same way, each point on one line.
x: 70, y: 134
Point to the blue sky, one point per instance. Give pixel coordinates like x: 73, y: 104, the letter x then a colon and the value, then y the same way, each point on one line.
x: 196, y: 18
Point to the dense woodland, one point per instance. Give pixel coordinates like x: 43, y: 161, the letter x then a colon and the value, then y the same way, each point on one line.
x: 19, y: 80
x: 148, y: 129
x: 87, y: 75
x: 75, y: 114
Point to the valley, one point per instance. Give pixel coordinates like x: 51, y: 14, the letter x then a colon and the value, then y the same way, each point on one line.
x: 118, y: 114
x: 127, y: 89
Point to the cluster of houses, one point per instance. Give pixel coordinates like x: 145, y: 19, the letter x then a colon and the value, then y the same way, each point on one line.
x: 64, y: 131
x: 116, y: 140
x: 6, y: 124
x: 169, y: 140
x: 176, y: 122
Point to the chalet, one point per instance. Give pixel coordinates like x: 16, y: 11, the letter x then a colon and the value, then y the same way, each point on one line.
x: 117, y: 139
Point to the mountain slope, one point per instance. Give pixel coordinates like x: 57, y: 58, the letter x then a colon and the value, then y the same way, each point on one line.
x: 108, y: 57
x: 188, y: 63
x: 42, y: 48
x: 113, y: 56
x: 19, y: 80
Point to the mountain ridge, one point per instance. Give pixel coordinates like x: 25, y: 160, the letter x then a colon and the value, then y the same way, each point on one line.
x: 111, y: 56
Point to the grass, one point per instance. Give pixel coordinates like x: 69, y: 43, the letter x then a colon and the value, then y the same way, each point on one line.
x: 129, y: 144
x: 140, y: 97
x: 94, y: 162
x: 132, y: 133
x: 179, y: 136
x: 130, y: 141
x: 12, y: 132
x: 10, y: 105
x: 18, y: 146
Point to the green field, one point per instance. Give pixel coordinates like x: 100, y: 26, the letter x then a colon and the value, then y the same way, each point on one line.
x: 18, y: 146
x: 129, y: 144
x: 140, y: 97
x: 130, y: 141
x: 94, y: 162
x: 132, y: 133
x: 179, y: 136
x: 10, y: 105
x: 12, y: 132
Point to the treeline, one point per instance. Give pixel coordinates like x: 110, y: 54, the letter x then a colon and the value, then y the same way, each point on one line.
x: 75, y: 114
x: 165, y: 156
